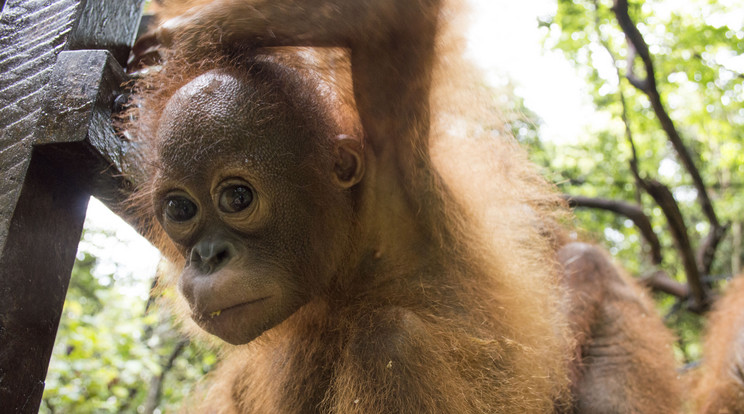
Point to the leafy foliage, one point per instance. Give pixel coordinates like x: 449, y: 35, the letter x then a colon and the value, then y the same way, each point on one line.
x: 696, y: 46
x: 109, y: 347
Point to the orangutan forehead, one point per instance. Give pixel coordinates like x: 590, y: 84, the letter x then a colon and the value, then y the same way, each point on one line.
x: 203, y: 108
x: 216, y: 109
x: 220, y: 115
x: 215, y: 83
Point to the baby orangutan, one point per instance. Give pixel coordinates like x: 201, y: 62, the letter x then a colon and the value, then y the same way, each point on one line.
x: 343, y: 219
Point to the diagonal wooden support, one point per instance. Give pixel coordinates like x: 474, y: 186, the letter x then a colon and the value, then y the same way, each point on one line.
x: 57, y: 147
x: 76, y: 126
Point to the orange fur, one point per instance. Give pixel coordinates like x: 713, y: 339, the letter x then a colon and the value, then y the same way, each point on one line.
x: 458, y: 306
x: 625, y: 361
x: 501, y: 285
x: 720, y: 386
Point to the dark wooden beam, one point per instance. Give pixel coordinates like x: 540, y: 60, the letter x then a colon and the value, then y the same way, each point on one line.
x: 34, y: 274
x: 56, y: 148
x: 76, y: 122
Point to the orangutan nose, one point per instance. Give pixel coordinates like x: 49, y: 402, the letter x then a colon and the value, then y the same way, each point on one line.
x: 209, y: 255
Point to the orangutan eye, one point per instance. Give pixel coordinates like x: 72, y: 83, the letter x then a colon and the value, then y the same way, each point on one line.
x: 179, y: 208
x: 235, y: 198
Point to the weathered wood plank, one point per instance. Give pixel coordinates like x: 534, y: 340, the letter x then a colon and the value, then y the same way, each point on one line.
x: 76, y: 124
x: 48, y: 220
x: 31, y: 35
x: 56, y: 148
x: 109, y: 25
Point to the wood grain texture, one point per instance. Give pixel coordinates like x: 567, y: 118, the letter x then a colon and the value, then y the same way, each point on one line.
x: 34, y: 274
x: 32, y: 33
x: 57, y: 146
x: 76, y: 123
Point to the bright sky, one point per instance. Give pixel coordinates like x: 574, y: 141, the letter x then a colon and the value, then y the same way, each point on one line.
x: 124, y: 254
x: 505, y: 41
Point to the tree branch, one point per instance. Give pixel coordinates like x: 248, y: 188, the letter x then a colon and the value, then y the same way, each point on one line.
x: 631, y: 211
x: 640, y: 83
x: 707, y: 249
x: 658, y: 280
x: 156, y: 384
x: 661, y: 281
x: 664, y: 198
x: 638, y: 46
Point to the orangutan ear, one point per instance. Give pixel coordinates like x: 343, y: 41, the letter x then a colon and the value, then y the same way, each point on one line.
x: 348, y: 168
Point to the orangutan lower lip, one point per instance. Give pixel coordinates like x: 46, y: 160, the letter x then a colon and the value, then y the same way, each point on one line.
x: 214, y: 314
